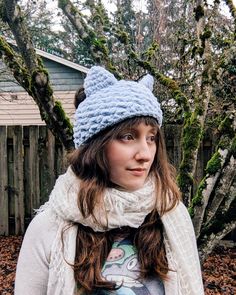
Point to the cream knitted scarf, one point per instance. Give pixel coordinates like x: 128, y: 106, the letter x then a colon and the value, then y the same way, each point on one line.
x: 120, y: 209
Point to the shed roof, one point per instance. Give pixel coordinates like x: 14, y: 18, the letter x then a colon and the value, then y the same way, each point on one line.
x: 61, y: 61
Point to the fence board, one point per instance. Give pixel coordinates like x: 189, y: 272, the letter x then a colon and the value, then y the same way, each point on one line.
x: 61, y: 160
x: 4, y: 229
x: 10, y: 173
x: 18, y: 154
x: 46, y: 163
x: 34, y: 189
x: 26, y: 174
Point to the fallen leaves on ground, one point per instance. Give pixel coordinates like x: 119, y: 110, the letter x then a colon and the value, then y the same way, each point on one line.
x: 219, y: 270
x: 9, y: 249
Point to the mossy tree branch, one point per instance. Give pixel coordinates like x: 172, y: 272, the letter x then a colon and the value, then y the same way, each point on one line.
x: 32, y: 75
x: 194, y: 124
x: 220, y: 172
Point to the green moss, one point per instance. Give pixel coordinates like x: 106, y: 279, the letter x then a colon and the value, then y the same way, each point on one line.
x: 225, y: 126
x: 123, y: 37
x: 181, y: 99
x: 199, y: 110
x: 206, y: 34
x: 192, y: 134
x: 169, y: 82
x: 74, y: 11
x: 199, y: 12
x: 197, y: 199
x: 184, y: 180
x: 214, y: 164
x: 233, y: 147
x: 62, y: 117
x: 62, y: 3
x: 99, y: 46
x: 200, y: 51
x: 191, y: 211
x: 224, y: 142
x: 133, y: 55
x: 150, y: 52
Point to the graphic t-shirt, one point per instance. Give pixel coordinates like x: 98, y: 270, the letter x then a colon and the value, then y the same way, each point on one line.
x: 122, y: 267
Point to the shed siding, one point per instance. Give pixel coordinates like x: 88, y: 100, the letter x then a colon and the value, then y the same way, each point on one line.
x: 20, y: 108
x: 62, y: 78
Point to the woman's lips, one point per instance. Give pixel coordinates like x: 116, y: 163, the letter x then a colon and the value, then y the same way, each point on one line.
x: 137, y: 171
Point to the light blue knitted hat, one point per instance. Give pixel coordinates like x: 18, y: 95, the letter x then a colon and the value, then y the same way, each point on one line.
x: 109, y: 101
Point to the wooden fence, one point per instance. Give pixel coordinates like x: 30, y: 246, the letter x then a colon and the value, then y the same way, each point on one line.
x: 30, y: 161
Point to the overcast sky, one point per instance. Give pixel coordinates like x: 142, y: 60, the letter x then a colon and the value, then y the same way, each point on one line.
x: 139, y: 5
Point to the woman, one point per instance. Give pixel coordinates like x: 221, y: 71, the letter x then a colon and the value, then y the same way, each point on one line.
x: 114, y: 223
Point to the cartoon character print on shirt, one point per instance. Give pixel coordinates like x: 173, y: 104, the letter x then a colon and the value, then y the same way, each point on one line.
x: 122, y: 267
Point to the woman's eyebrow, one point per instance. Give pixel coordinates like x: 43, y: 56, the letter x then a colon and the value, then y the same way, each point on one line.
x: 154, y: 129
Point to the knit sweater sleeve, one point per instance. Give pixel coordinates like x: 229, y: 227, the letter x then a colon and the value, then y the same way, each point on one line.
x: 33, y: 263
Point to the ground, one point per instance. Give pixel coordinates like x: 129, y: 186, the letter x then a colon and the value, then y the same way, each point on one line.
x: 219, y: 270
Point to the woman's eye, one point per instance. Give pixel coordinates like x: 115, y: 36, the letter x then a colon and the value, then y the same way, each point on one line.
x: 127, y: 137
x: 151, y: 138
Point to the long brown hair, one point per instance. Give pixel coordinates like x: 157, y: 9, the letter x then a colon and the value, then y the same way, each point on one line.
x: 90, y: 165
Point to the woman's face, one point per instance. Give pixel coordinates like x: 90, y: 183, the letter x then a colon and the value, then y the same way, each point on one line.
x: 130, y: 156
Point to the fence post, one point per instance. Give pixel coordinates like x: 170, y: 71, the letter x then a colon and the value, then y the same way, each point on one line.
x: 4, y: 225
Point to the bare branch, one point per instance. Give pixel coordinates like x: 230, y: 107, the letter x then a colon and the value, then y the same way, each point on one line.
x: 214, y: 239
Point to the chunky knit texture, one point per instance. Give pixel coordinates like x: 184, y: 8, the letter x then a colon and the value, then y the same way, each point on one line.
x: 109, y: 101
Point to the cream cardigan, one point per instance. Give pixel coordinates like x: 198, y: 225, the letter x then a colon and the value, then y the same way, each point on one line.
x: 42, y: 270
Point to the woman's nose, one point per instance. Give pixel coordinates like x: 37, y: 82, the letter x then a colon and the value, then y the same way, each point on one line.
x: 143, y: 152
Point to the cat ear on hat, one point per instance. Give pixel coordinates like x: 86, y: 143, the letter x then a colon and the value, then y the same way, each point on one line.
x: 147, y: 81
x: 98, y: 78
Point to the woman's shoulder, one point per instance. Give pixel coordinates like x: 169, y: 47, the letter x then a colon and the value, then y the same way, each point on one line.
x: 42, y: 229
